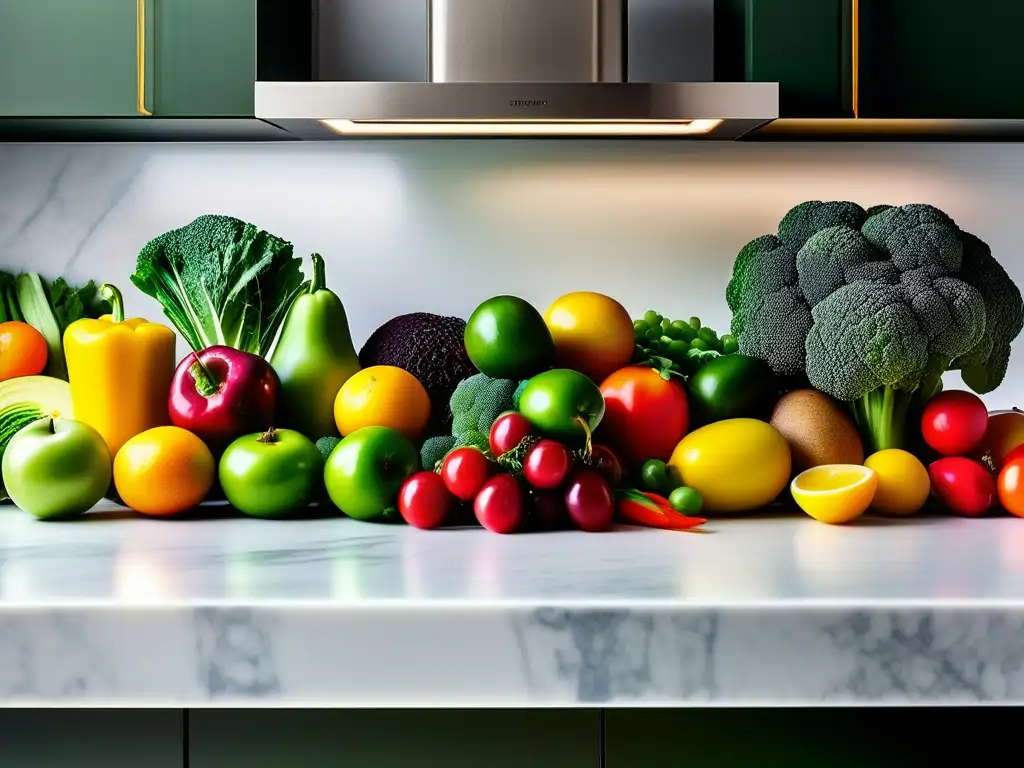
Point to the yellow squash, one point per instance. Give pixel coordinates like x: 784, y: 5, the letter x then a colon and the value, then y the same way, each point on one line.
x: 120, y: 372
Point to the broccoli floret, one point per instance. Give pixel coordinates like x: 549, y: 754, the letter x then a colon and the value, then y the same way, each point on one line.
x: 770, y: 315
x: 883, y: 302
x: 984, y: 366
x: 434, y: 449
x: 478, y: 401
x: 326, y: 445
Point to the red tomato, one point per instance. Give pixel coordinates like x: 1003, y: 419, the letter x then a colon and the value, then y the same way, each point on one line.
x: 963, y: 485
x: 500, y: 505
x: 465, y: 470
x: 607, y: 464
x: 645, y: 415
x: 954, y: 422
x: 424, y: 500
x: 508, y: 431
x: 1011, y: 485
x: 546, y: 465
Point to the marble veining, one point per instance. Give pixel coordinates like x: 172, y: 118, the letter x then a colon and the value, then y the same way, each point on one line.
x: 763, y: 611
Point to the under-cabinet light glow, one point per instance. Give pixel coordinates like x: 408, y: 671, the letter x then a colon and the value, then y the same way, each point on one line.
x: 521, y: 127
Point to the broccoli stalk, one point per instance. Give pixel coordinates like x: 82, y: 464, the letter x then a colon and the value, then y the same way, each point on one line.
x: 880, y: 416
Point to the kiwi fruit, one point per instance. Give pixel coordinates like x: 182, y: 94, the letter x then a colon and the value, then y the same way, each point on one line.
x: 818, y: 430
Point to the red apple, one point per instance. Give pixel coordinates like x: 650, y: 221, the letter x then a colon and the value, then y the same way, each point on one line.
x: 222, y: 393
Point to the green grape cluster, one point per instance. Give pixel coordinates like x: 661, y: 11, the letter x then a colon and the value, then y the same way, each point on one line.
x: 681, y: 346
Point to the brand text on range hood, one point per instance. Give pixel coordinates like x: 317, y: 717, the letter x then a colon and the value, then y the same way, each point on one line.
x: 520, y: 67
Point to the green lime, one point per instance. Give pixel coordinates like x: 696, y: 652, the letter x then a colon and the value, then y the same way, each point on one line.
x: 654, y: 475
x: 506, y: 338
x: 686, y: 500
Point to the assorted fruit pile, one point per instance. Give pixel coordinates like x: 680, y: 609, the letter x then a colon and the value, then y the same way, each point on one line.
x: 825, y: 393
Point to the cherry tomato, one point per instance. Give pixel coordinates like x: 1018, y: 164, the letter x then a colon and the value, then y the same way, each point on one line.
x: 589, y: 501
x: 508, y: 431
x: 1011, y: 485
x: 23, y: 350
x: 424, y: 501
x: 962, y: 485
x: 607, y: 464
x: 547, y: 511
x: 645, y: 415
x: 465, y: 470
x: 500, y: 505
x: 954, y: 422
x: 546, y: 465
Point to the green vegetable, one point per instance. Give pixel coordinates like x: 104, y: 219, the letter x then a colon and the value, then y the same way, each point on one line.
x: 26, y: 399
x: 50, y: 308
x: 654, y: 475
x: 507, y: 338
x: 434, y: 449
x: 686, y: 500
x: 222, y: 281
x: 731, y: 387
x: 677, y: 347
x: 313, y: 358
x: 873, y: 306
x: 478, y: 401
x: 327, y: 444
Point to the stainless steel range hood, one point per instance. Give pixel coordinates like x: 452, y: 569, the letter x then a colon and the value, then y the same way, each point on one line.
x: 520, y: 68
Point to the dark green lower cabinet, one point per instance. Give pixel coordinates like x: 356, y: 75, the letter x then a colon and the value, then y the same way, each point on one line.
x: 91, y: 738
x: 808, y: 738
x: 395, y: 739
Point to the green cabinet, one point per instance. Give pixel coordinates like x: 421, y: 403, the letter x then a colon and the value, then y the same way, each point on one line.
x: 204, y: 57
x: 127, y: 58
x: 69, y: 58
x: 91, y: 738
x: 395, y: 738
x: 945, y: 59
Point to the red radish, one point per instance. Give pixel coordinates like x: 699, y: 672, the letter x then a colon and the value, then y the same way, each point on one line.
x: 547, y: 511
x: 963, y: 485
x: 607, y: 464
x: 508, y: 431
x: 589, y: 501
x: 500, y: 507
x: 546, y: 465
x: 465, y: 470
x: 424, y: 500
x: 954, y: 422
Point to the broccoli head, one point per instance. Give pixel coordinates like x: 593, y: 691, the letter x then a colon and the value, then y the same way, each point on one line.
x: 478, y: 401
x: 881, y: 302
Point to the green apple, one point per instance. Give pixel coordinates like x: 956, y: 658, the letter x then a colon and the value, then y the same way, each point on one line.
x: 56, y: 468
x: 272, y: 474
x: 563, y: 404
x: 366, y: 470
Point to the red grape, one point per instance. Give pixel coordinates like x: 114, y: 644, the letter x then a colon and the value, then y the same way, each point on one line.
x: 589, y: 501
x: 499, y: 506
x: 607, y: 464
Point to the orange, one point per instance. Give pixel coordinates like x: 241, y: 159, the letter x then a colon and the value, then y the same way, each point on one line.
x: 164, y: 471
x: 382, y: 396
x: 593, y: 333
x: 23, y: 350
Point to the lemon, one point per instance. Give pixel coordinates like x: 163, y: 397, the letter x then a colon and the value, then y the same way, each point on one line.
x: 835, y: 493
x: 903, y: 483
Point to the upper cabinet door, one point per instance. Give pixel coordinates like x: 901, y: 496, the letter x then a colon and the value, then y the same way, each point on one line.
x: 73, y: 58
x: 205, y: 58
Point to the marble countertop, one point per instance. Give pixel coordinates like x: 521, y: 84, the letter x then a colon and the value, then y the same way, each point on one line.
x: 121, y: 611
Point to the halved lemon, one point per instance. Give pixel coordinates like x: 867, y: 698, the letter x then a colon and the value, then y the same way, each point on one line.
x: 835, y: 493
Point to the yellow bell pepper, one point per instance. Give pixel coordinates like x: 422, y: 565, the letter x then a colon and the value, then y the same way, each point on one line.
x: 120, y: 372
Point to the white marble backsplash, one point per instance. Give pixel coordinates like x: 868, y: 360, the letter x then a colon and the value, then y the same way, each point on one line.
x: 439, y: 226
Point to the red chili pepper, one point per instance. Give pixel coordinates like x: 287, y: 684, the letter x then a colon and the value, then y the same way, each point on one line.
x: 653, y: 511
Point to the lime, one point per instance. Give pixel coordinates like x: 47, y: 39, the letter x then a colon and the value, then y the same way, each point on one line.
x: 507, y: 338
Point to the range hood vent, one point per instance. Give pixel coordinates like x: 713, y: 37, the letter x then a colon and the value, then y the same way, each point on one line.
x: 520, y: 68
